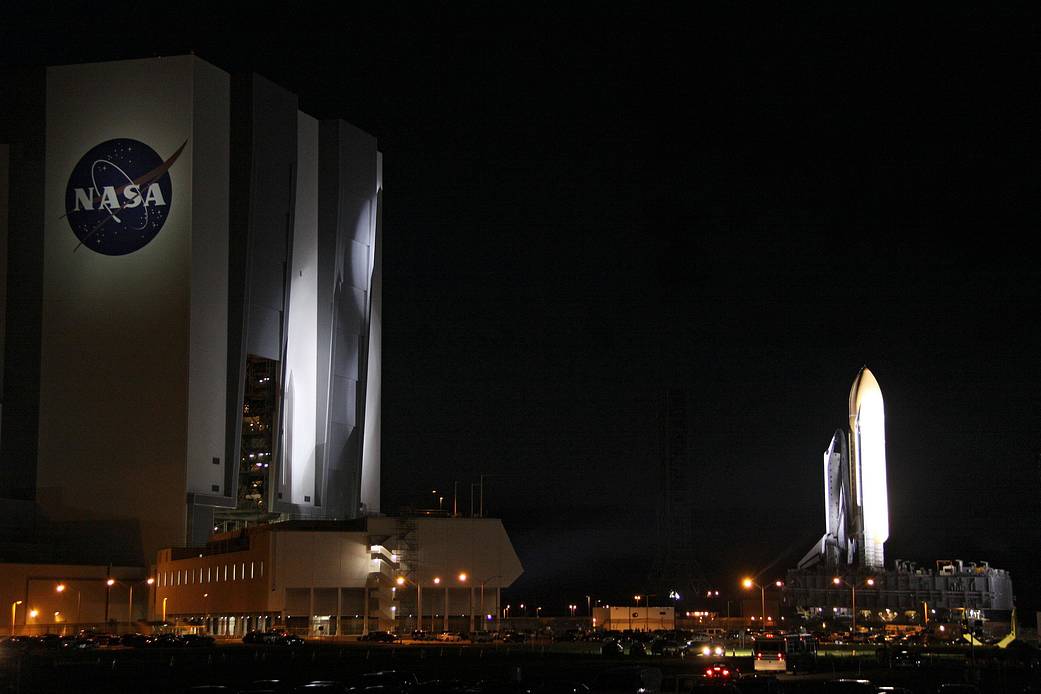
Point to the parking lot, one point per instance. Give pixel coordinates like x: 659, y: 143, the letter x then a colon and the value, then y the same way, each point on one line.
x: 459, y: 667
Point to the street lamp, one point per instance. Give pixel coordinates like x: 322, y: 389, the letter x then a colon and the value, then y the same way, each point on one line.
x: 14, y: 607
x: 572, y: 608
x: 60, y: 588
x: 483, y: 584
x: 853, y: 600
x: 470, y: 595
x: 108, y: 592
x: 129, y: 585
x: 748, y: 584
x: 401, y: 581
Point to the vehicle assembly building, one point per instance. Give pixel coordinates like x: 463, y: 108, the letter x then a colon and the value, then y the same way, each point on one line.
x: 844, y: 573
x: 192, y: 317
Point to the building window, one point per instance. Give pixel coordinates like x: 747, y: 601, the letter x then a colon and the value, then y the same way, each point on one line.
x: 252, y: 570
x: 262, y: 569
x: 225, y: 573
x: 233, y: 568
x: 209, y: 576
x: 243, y: 572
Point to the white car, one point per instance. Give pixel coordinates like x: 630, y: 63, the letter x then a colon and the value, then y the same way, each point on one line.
x: 449, y: 636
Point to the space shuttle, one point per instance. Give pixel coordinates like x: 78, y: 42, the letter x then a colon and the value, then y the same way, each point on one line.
x: 856, y: 496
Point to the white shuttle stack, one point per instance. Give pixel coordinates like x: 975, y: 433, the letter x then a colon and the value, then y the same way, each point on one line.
x: 856, y: 503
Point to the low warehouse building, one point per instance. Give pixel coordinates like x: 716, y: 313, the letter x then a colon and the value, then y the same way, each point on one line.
x: 339, y: 578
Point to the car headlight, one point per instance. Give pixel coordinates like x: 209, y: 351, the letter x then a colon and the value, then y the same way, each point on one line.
x: 719, y: 650
x: 706, y: 651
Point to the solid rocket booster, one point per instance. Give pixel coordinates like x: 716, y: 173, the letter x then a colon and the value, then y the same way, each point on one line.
x: 867, y: 451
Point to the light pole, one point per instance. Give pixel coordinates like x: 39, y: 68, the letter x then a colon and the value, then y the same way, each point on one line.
x: 748, y: 584
x: 108, y: 593
x: 60, y: 588
x: 437, y: 582
x: 483, y: 584
x: 470, y: 593
x: 401, y: 581
x: 853, y: 601
x: 14, y: 608
x: 129, y: 586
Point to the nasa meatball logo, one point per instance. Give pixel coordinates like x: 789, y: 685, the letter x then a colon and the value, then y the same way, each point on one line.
x: 119, y: 196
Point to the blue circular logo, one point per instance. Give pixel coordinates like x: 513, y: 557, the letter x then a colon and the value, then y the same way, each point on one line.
x: 119, y: 196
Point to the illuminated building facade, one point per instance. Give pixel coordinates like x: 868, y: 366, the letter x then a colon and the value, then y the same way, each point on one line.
x: 191, y: 307
x: 341, y: 578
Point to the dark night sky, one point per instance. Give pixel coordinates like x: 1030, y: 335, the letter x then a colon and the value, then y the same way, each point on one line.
x: 584, y: 208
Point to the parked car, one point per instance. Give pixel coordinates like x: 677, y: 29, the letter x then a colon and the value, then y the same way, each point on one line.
x: 906, y: 658
x: 667, y: 647
x: 266, y: 686
x: 721, y: 671
x: 449, y: 636
x: 387, y: 680
x: 273, y: 638
x: 167, y: 641
x: 321, y: 687
x: 628, y: 680
x: 638, y: 648
x: 197, y: 640
x: 380, y: 637
x: 957, y: 688
x: 850, y: 686
x: 135, y: 640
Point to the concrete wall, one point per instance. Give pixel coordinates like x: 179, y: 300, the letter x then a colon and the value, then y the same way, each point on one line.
x: 81, y: 602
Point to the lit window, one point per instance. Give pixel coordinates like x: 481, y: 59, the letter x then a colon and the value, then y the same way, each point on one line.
x: 233, y: 568
x: 251, y: 570
x: 225, y: 573
x: 243, y: 571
